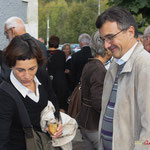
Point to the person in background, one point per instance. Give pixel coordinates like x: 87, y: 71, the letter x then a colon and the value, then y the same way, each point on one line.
x: 67, y: 50
x: 124, y: 120
x: 146, y: 39
x: 140, y: 37
x: 15, y: 26
x: 80, y: 58
x: 56, y: 68
x: 93, y: 75
x: 108, y: 58
x: 0, y: 65
x: 41, y: 39
x: 23, y: 56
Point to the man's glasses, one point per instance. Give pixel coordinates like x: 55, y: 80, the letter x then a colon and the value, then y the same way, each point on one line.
x: 109, y: 38
x: 145, y: 38
x: 6, y: 32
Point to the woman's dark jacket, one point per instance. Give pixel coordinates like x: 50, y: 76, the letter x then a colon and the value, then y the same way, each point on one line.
x: 56, y: 68
x: 68, y: 76
x: 91, y: 90
x: 11, y: 132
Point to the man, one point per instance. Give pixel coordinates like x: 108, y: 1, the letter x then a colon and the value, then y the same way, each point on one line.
x: 146, y: 39
x: 80, y: 58
x: 15, y: 26
x: 124, y: 121
x: 41, y: 39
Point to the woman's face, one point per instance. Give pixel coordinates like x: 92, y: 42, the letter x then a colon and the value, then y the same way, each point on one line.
x: 67, y: 50
x: 25, y: 71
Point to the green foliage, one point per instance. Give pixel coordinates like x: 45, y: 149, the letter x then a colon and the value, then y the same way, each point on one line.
x: 68, y: 18
x: 57, y: 11
x: 81, y: 19
x: 139, y: 8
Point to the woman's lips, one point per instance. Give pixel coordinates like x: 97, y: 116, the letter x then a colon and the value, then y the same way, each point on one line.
x: 26, y: 82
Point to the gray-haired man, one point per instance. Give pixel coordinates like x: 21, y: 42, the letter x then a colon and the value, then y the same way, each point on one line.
x: 80, y: 58
x: 146, y: 39
x: 15, y: 26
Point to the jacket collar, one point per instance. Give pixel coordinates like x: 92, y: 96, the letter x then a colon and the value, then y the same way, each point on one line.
x: 129, y: 64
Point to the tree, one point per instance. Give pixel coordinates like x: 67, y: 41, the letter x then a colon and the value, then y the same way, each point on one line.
x: 139, y: 8
x: 81, y: 19
x: 57, y: 11
x: 69, y: 20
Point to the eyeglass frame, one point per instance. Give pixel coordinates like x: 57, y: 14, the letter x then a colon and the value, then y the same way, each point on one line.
x: 111, y: 37
x: 6, y: 32
x: 145, y: 38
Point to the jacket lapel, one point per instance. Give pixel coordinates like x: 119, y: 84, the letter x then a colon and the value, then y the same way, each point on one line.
x: 111, y: 74
x: 129, y: 64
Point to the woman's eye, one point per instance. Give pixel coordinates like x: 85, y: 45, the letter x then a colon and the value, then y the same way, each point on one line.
x: 32, y: 68
x: 20, y: 70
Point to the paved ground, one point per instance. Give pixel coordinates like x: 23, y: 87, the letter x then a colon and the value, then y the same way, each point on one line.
x: 77, y: 141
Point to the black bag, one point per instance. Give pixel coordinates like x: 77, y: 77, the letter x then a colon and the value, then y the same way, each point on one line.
x: 75, y: 101
x: 35, y: 140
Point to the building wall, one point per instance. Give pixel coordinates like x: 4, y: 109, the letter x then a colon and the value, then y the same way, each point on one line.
x: 27, y: 10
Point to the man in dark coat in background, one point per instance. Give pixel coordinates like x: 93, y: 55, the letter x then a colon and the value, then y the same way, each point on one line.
x: 0, y: 64
x: 80, y: 58
x: 15, y: 26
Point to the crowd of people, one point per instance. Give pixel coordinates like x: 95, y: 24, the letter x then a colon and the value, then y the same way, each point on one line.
x: 112, y: 66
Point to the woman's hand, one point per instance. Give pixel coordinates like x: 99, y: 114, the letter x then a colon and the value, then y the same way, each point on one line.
x: 59, y: 131
x: 67, y: 71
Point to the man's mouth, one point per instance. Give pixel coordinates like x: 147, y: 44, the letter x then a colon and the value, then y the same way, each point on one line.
x: 112, y: 48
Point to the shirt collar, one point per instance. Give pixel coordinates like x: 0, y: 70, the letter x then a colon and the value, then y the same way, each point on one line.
x: 21, y: 88
x: 69, y: 57
x: 126, y: 56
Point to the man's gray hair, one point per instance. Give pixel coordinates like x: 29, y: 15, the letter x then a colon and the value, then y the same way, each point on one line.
x: 84, y: 38
x: 97, y: 45
x: 147, y: 31
x: 13, y: 22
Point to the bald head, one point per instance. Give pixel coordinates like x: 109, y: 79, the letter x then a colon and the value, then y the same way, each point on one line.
x: 14, y: 26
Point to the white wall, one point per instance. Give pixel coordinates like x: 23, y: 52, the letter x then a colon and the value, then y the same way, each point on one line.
x: 32, y: 18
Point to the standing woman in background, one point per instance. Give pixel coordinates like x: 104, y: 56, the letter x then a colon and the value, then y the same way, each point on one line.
x: 67, y: 50
x: 24, y: 57
x: 92, y: 79
x: 56, y: 68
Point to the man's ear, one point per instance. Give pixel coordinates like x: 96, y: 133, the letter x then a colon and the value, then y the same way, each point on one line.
x: 13, y: 31
x: 131, y: 31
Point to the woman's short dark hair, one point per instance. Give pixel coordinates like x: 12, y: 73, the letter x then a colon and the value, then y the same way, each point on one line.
x: 54, y: 41
x: 121, y: 16
x: 22, y: 49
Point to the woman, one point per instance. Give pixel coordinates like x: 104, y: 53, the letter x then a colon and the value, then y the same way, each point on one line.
x: 56, y: 67
x: 67, y: 50
x: 24, y: 57
x: 92, y: 86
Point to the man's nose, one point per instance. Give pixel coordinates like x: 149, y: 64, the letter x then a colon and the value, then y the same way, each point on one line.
x: 26, y: 75
x: 107, y: 44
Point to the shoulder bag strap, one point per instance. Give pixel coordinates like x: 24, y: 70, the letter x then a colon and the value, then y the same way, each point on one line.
x: 23, y: 114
